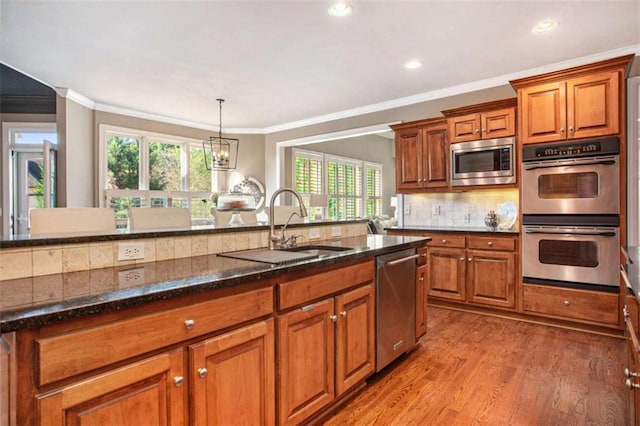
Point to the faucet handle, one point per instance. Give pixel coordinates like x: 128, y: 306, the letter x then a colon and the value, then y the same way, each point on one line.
x: 293, y: 240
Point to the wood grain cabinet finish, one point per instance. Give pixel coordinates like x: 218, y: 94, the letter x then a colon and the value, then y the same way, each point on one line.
x: 491, y: 276
x: 148, y: 392
x: 487, y: 125
x: 422, y: 159
x: 632, y: 366
x: 421, y: 300
x: 326, y: 346
x: 232, y: 377
x: 581, y: 102
x: 446, y: 273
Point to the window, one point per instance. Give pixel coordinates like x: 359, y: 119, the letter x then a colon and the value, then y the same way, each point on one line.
x: 353, y: 187
x: 141, y: 169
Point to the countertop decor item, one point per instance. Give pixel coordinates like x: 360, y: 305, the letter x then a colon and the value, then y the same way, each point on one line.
x: 507, y: 215
x: 491, y: 221
x: 220, y: 153
x: 253, y: 187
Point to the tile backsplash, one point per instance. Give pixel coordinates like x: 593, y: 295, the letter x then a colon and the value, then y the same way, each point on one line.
x: 459, y: 209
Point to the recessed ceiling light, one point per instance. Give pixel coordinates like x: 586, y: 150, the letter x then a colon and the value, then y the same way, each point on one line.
x: 545, y: 26
x: 413, y: 64
x: 340, y: 9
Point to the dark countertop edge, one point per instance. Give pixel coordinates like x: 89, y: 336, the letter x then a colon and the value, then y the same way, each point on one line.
x: 23, y: 241
x: 33, y: 317
x: 452, y: 229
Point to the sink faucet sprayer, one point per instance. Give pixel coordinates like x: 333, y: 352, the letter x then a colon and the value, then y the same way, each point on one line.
x: 280, y: 240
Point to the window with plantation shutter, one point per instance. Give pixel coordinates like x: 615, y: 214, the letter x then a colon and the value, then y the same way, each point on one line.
x: 373, y: 188
x: 308, y: 176
x: 344, y: 187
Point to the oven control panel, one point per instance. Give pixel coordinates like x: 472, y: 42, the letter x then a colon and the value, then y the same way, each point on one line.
x: 584, y: 148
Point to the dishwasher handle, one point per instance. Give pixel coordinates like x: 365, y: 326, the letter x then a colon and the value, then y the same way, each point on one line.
x: 401, y: 260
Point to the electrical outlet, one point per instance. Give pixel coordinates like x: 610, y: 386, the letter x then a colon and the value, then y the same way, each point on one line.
x: 336, y: 231
x: 407, y: 209
x: 314, y: 233
x: 130, y: 251
x: 435, y: 210
x: 131, y: 277
x: 467, y: 217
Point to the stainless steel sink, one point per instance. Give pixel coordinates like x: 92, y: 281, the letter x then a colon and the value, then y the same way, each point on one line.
x: 285, y: 255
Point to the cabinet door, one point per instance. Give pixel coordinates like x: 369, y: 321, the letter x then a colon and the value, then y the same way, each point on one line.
x: 543, y: 112
x: 232, y: 377
x: 492, y: 278
x: 306, y: 361
x: 421, y: 301
x: 632, y: 364
x: 464, y: 128
x: 435, y: 152
x: 592, y: 105
x: 446, y: 273
x: 355, y: 337
x: 409, y: 159
x: 147, y: 392
x: 500, y: 123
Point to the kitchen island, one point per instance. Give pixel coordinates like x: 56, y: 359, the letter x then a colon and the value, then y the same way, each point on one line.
x: 165, y: 341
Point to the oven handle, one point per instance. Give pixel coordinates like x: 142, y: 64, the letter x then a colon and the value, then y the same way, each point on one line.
x: 577, y: 163
x: 597, y: 234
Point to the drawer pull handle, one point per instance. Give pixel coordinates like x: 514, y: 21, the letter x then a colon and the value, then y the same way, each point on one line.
x: 343, y: 314
x: 424, y: 255
x: 189, y: 324
x: 178, y: 381
x: 421, y: 279
x: 566, y: 303
x: 333, y: 318
x: 628, y: 383
x: 628, y: 373
x: 308, y: 308
x: 202, y: 372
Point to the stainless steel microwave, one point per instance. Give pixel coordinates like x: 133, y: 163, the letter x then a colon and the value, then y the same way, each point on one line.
x: 483, y: 162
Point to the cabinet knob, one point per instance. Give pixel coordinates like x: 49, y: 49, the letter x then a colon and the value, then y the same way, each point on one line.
x: 178, y: 381
x: 462, y: 259
x: 477, y: 130
x: 333, y: 318
x: 566, y: 303
x: 189, y: 324
x: 490, y: 243
x: 571, y: 129
x: 484, y: 130
x: 444, y: 241
x: 421, y: 279
x: 561, y: 129
x: 628, y: 383
x: 469, y: 259
x: 343, y: 314
x: 628, y: 373
x: 202, y: 372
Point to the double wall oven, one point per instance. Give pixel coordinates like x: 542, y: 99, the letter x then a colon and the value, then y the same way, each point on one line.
x: 570, y: 206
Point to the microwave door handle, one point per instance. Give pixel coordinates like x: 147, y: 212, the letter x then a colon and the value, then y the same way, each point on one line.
x: 595, y: 234
x: 576, y: 163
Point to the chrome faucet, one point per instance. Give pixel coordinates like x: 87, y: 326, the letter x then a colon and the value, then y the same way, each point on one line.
x: 276, y: 241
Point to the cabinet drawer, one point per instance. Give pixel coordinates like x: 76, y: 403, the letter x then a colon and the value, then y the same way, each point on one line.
x: 583, y: 305
x: 447, y: 240
x: 303, y: 290
x: 489, y: 243
x: 79, y: 351
x: 422, y: 256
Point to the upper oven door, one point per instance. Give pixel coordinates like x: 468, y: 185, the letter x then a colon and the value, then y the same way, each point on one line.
x: 483, y: 162
x: 574, y: 186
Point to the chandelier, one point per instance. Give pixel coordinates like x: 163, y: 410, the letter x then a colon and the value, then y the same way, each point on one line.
x: 220, y: 153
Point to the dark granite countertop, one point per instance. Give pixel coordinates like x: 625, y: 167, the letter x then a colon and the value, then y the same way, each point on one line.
x: 26, y: 240
x: 465, y: 229
x: 37, y: 301
x: 632, y: 268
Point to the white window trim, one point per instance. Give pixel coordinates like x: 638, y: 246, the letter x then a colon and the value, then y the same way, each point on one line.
x: 376, y: 166
x: 145, y: 137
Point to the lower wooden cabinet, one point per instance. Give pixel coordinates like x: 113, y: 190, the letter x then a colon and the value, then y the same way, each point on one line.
x: 151, y: 391
x: 232, y: 377
x: 421, y: 300
x: 491, y: 278
x: 325, y: 348
x: 632, y: 366
x: 446, y: 273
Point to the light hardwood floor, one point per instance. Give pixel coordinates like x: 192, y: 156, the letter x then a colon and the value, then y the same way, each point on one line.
x: 481, y: 370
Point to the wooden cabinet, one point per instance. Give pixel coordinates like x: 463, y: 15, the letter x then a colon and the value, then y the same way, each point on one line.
x: 498, y: 123
x: 581, y: 102
x: 326, y: 346
x: 7, y: 378
x: 632, y: 366
x: 421, y: 293
x: 422, y: 158
x: 173, y: 363
x: 446, y: 273
x: 151, y: 391
x: 232, y: 377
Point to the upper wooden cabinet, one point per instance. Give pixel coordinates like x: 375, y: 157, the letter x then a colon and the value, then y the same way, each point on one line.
x: 422, y: 159
x: 482, y: 121
x: 581, y: 102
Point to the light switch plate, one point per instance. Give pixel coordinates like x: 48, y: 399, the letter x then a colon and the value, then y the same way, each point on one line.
x: 467, y: 217
x: 314, y: 233
x: 336, y: 231
x: 130, y: 251
x: 407, y: 209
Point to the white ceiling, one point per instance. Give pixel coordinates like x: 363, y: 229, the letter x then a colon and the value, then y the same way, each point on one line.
x: 285, y: 63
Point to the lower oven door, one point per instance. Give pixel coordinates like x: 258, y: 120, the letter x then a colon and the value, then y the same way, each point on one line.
x: 586, y: 255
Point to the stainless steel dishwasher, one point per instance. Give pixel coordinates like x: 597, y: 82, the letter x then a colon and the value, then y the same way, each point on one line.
x: 395, y: 305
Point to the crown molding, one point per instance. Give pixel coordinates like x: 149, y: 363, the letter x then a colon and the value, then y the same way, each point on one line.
x: 76, y: 97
